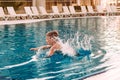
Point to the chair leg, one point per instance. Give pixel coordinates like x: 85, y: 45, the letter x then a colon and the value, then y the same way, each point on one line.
x: 23, y: 17
x: 36, y: 17
x: 2, y: 19
x: 11, y: 18
x: 18, y: 18
x: 44, y: 16
x: 29, y: 17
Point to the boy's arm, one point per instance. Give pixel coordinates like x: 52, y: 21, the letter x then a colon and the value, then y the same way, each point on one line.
x: 45, y: 47
x: 42, y: 47
x: 53, y: 49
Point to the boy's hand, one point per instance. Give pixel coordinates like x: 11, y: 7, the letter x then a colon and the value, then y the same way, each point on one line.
x: 47, y: 56
x: 34, y: 49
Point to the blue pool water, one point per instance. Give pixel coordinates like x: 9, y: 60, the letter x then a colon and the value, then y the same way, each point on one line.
x: 93, y: 38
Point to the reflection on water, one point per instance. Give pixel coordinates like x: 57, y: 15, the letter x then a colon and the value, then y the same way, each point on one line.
x: 99, y: 35
x: 109, y: 39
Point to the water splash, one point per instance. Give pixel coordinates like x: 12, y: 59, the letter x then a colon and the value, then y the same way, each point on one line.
x: 36, y: 56
x: 67, y: 49
x: 75, y: 43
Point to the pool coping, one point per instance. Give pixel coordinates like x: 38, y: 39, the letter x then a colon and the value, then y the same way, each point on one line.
x: 39, y: 20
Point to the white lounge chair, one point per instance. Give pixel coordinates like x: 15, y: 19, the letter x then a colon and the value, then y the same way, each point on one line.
x: 13, y: 14
x: 44, y: 13
x: 30, y: 13
x: 74, y: 13
x: 100, y: 11
x: 91, y: 12
x: 109, y: 10
x: 56, y: 12
x: 66, y: 11
x: 84, y: 10
x: 35, y: 12
x: 114, y: 10
x: 2, y: 14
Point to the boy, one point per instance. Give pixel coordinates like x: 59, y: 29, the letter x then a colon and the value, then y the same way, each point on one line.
x: 52, y: 43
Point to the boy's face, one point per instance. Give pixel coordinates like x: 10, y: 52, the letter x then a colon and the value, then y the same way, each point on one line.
x: 49, y: 40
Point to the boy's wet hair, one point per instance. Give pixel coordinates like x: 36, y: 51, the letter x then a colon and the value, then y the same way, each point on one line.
x: 52, y: 33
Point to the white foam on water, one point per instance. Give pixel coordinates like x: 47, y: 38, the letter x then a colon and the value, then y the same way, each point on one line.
x: 45, y: 78
x: 16, y: 65
x: 34, y: 58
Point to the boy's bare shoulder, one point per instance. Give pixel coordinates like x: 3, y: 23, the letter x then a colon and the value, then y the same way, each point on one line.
x: 57, y: 45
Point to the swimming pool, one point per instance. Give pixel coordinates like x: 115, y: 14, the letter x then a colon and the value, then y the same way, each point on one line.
x: 97, y: 36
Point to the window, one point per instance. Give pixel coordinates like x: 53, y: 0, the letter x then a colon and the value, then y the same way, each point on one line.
x: 17, y: 4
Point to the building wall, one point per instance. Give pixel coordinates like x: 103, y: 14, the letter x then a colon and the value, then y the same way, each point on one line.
x: 48, y: 3
x: 60, y: 3
x: 19, y: 4
x: 41, y: 3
